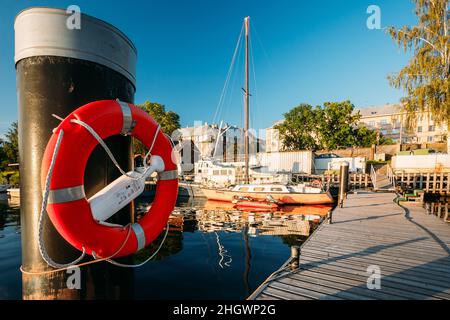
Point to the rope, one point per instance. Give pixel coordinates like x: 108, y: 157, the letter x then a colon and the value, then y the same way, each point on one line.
x: 109, y: 259
x: 81, y: 264
x: 151, y: 146
x: 41, y: 244
x: 103, y: 144
x: 227, y: 80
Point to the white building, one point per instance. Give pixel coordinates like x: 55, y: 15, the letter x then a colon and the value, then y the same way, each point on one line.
x: 208, y: 141
x: 390, y: 121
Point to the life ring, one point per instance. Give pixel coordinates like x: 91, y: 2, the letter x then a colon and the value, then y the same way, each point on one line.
x: 68, y: 207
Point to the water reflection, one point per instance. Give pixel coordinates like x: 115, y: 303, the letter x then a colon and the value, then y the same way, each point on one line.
x: 217, y: 223
x: 212, y: 251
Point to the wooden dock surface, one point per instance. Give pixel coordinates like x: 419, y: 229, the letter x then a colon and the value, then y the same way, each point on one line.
x: 410, y: 248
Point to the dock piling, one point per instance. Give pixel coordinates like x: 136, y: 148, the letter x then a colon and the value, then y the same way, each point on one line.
x: 295, y: 257
x: 58, y: 70
x: 343, y: 182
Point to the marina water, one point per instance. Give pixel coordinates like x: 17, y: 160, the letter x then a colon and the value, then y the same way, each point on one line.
x: 210, y: 252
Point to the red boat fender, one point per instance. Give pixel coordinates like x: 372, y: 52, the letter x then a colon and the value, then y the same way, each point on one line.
x: 256, y: 204
x: 68, y: 208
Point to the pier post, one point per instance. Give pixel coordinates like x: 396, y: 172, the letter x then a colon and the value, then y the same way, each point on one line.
x: 295, y: 257
x: 61, y: 64
x: 343, y: 182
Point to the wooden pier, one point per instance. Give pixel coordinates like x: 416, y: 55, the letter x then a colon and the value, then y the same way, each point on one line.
x: 410, y: 248
x: 430, y: 182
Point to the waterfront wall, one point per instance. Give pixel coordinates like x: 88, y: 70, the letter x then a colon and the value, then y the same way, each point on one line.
x: 431, y: 162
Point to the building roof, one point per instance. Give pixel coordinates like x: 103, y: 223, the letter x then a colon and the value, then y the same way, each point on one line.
x: 387, y: 109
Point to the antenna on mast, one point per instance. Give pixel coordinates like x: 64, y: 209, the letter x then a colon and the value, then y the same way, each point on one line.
x: 247, y: 102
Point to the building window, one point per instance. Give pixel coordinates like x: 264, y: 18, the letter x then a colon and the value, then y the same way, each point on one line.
x: 383, y: 122
x: 395, y: 131
x: 430, y: 139
x: 384, y: 132
x: 430, y: 128
x: 216, y: 172
x: 419, y: 129
x: 372, y: 123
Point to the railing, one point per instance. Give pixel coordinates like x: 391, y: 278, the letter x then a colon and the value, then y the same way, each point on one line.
x: 373, y: 176
x: 391, y: 176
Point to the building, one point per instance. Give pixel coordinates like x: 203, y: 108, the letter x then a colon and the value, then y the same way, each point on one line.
x: 205, y: 140
x: 273, y: 141
x: 390, y: 119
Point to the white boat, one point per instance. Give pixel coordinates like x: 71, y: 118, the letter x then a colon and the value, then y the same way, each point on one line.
x: 284, y: 194
x: 214, y: 173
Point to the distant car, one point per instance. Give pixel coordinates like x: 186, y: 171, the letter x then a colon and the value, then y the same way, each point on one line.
x: 328, y: 156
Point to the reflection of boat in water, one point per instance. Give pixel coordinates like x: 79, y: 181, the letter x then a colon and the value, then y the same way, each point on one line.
x: 249, y: 204
x: 316, y: 210
x: 301, y: 194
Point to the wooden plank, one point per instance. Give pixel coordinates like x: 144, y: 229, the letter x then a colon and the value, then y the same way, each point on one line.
x: 410, y: 273
x: 448, y: 183
x: 345, y: 275
x: 400, y: 261
x: 413, y: 254
x: 362, y: 281
x: 416, y: 286
x: 332, y: 287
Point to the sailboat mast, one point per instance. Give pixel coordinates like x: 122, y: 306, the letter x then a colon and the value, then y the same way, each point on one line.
x: 247, y: 101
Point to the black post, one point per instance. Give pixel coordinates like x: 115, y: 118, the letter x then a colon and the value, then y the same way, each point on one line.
x: 58, y: 70
x: 343, y: 183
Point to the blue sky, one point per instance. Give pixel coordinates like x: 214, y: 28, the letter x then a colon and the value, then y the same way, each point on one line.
x: 304, y: 51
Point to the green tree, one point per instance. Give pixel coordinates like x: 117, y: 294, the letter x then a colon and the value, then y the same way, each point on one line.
x: 333, y: 126
x: 9, y: 154
x: 298, y: 128
x: 364, y: 137
x: 168, y: 120
x: 336, y: 123
x: 426, y: 78
x: 9, y: 147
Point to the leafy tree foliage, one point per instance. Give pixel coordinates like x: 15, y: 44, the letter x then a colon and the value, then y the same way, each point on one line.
x: 297, y: 128
x: 169, y: 121
x: 333, y: 126
x: 426, y: 78
x: 9, y: 147
x: 336, y: 123
x: 9, y: 154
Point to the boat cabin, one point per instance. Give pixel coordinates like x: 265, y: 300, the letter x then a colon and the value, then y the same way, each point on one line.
x: 263, y: 188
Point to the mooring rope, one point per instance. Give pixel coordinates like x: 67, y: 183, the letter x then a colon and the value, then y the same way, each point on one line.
x: 45, y: 195
x: 123, y: 265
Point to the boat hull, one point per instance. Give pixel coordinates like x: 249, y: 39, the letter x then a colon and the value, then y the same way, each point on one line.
x: 286, y: 198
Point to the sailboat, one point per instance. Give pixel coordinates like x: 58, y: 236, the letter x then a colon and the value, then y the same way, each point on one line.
x: 264, y: 195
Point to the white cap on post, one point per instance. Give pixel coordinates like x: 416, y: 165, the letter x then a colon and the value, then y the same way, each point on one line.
x: 44, y: 31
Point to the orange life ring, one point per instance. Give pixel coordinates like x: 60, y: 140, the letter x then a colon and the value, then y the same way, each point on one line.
x: 68, y: 208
